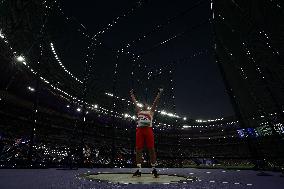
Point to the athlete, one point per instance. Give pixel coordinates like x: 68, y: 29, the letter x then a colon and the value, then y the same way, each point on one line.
x: 144, y: 133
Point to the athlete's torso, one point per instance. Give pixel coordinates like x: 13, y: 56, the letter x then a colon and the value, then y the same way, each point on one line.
x: 145, y: 119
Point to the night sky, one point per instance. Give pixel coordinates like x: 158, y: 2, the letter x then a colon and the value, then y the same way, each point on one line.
x: 199, y: 89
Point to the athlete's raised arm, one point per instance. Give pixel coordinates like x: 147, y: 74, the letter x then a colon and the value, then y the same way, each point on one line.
x: 155, y: 103
x: 133, y: 99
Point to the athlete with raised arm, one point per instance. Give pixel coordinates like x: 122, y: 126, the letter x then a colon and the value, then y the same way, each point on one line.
x: 144, y: 132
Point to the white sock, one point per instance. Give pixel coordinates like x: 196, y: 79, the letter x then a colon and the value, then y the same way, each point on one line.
x: 139, y: 166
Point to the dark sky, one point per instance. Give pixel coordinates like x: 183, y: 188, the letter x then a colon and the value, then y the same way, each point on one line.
x: 199, y: 90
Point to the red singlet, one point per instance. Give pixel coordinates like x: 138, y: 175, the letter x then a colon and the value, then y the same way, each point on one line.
x: 144, y: 131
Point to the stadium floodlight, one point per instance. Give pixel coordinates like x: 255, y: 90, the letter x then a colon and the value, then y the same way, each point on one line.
x: 184, y: 118
x: 68, y: 106
x: 163, y: 112
x: 1, y: 35
x: 170, y: 114
x: 79, y: 109
x: 20, y: 59
x: 31, y: 88
x: 139, y: 105
x: 109, y: 94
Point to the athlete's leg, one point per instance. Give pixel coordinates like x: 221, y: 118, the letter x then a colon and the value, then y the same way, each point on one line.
x: 139, y: 145
x: 139, y: 149
x: 150, y: 144
x: 139, y: 157
x: 152, y: 153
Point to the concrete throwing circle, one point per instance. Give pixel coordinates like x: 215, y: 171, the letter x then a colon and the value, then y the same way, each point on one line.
x: 146, y: 178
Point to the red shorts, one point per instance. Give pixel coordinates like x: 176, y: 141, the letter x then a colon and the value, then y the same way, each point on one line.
x: 144, y: 134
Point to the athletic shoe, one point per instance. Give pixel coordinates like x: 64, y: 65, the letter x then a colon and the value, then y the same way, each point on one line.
x: 137, y: 174
x: 155, y: 173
